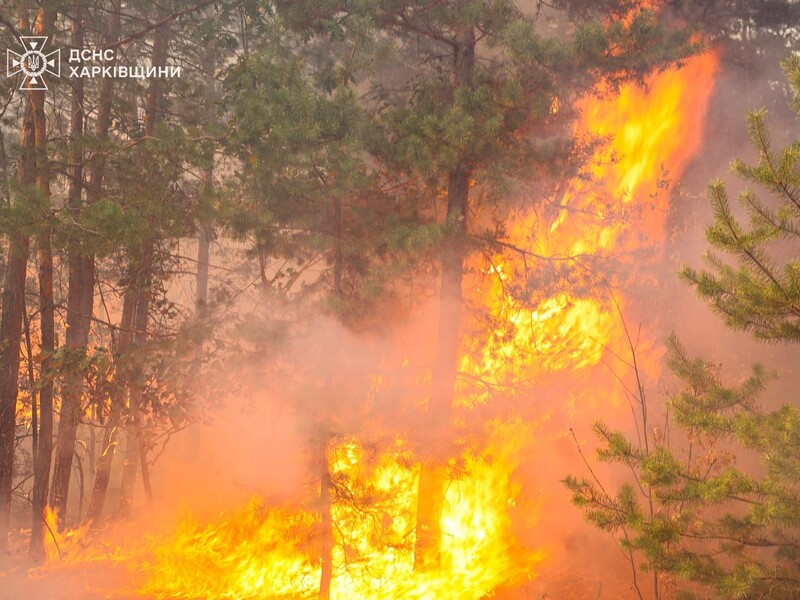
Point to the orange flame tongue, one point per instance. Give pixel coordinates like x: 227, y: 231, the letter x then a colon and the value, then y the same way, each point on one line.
x: 653, y: 131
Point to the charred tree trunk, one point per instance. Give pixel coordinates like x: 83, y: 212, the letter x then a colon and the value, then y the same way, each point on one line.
x: 80, y: 300
x: 14, y: 285
x: 135, y: 444
x: 432, y: 477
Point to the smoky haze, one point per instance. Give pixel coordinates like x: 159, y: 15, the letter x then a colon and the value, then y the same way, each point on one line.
x: 284, y: 387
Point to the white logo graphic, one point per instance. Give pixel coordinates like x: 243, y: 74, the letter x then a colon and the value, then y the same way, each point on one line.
x: 33, y: 63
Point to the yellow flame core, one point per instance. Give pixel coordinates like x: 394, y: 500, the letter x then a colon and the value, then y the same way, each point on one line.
x: 260, y: 552
x: 253, y: 553
x: 269, y: 553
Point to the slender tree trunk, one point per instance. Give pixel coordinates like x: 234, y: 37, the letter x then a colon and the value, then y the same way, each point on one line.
x: 325, y: 501
x: 430, y: 496
x: 11, y: 330
x: 326, y: 483
x: 14, y: 285
x: 135, y: 436
x: 94, y: 191
x: 41, y: 471
x: 203, y: 251
x: 135, y: 454
x: 80, y: 296
x: 42, y: 456
x: 206, y: 233
x: 102, y: 473
x: 129, y: 466
x: 204, y: 237
x: 26, y: 325
x: 135, y: 450
x: 112, y: 428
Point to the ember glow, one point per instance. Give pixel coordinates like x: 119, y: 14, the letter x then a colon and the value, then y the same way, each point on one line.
x: 259, y: 551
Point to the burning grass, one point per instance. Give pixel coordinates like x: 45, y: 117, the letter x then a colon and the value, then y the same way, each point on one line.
x: 262, y: 552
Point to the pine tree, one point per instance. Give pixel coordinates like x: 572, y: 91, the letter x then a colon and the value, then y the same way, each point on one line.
x: 33, y: 143
x: 760, y: 291
x: 698, y: 515
x: 470, y: 88
x: 309, y: 202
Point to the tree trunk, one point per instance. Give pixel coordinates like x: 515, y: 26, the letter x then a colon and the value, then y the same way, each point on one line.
x: 94, y: 191
x: 135, y: 436
x: 326, y: 520
x: 133, y: 433
x: 203, y: 251
x: 437, y: 439
x: 206, y: 232
x: 11, y: 331
x: 14, y: 286
x: 42, y: 455
x: 204, y: 237
x: 26, y: 325
x: 80, y: 300
x: 102, y: 473
x: 325, y: 501
x: 112, y: 428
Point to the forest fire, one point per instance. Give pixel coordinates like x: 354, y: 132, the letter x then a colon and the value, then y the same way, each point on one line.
x: 259, y: 551
x: 399, y: 300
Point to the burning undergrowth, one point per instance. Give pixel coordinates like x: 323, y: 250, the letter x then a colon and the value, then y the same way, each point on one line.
x: 259, y: 551
x: 268, y: 551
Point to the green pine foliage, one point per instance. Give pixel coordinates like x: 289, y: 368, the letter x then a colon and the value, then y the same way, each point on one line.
x: 509, y: 125
x: 695, y: 515
x: 308, y: 198
x: 760, y: 291
x: 720, y: 516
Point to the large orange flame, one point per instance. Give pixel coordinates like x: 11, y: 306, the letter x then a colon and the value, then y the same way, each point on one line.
x: 653, y: 132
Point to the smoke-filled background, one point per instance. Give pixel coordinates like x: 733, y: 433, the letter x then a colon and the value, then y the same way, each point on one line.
x: 355, y: 299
